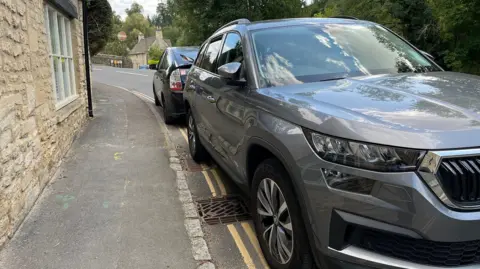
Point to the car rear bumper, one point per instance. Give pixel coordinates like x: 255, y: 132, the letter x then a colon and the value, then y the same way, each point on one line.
x: 177, y: 105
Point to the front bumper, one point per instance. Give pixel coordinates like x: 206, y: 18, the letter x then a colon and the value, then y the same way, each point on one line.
x: 399, y: 203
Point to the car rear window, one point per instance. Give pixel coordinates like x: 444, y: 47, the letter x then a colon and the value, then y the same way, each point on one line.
x: 186, y: 55
x: 317, y: 52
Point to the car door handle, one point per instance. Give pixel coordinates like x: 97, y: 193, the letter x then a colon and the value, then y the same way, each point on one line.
x: 210, y: 98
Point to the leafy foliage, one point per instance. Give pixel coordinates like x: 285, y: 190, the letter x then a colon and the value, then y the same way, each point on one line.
x: 99, y: 24
x: 192, y: 21
x: 459, y: 29
x: 134, y: 25
x: 154, y: 53
x: 134, y: 8
x: 447, y: 29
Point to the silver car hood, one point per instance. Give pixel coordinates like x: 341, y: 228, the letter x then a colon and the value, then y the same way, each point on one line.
x: 438, y: 110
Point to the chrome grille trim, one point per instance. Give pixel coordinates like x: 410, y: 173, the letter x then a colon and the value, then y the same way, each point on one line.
x: 429, y: 168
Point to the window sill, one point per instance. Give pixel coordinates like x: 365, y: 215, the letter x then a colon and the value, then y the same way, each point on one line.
x: 68, y: 108
x: 65, y: 102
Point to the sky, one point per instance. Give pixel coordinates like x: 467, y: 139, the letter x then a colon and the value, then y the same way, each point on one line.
x: 149, y: 6
x: 119, y: 6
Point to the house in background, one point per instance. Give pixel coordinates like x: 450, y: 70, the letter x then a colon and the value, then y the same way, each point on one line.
x: 139, y: 53
x: 43, y: 102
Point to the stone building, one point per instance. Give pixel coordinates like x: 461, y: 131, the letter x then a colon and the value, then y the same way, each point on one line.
x: 139, y: 53
x: 42, y: 98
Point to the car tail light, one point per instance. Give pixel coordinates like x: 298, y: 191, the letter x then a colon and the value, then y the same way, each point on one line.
x: 175, y: 80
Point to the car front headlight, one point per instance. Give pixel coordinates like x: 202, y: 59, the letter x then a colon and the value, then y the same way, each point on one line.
x: 362, y: 155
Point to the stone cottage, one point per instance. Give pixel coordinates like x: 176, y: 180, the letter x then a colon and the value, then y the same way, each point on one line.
x: 42, y: 98
x: 139, y: 53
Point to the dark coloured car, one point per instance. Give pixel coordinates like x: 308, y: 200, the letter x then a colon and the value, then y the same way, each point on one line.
x: 357, y: 150
x: 169, y: 80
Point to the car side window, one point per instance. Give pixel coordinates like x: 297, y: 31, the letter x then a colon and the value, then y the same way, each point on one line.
x: 159, y: 65
x: 163, y: 61
x: 209, y: 61
x: 200, y: 55
x: 232, y: 50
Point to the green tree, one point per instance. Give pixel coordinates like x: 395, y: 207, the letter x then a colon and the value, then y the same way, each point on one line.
x: 459, y: 30
x: 100, y: 24
x: 134, y: 25
x: 116, y: 47
x: 154, y: 53
x: 165, y: 13
x: 134, y: 8
x: 195, y: 20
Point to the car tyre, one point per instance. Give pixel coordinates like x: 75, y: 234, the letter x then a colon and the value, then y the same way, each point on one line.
x: 197, y: 150
x: 157, y: 102
x: 278, y: 221
x: 167, y: 117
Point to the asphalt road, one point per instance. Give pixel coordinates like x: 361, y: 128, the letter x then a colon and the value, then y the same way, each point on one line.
x: 232, y: 246
x: 132, y: 79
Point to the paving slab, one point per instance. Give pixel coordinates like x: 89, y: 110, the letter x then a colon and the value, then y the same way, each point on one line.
x: 114, y: 201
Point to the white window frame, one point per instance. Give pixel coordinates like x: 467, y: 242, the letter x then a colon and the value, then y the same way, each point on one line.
x: 67, y: 92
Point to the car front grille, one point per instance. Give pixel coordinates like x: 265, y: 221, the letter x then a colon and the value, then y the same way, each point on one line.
x: 419, y: 251
x: 460, y: 179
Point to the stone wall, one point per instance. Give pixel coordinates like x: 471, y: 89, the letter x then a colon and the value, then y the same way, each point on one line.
x: 105, y: 59
x: 138, y: 59
x: 34, y: 136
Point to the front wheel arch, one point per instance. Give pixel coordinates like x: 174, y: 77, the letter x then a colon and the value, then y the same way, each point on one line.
x: 275, y: 153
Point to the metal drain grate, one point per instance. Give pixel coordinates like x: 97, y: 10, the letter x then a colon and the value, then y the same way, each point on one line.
x: 222, y: 210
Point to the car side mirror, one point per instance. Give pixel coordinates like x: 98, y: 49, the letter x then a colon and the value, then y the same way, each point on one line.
x: 428, y: 55
x: 230, y: 71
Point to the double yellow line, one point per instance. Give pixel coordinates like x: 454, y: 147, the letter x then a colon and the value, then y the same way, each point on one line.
x: 246, y: 226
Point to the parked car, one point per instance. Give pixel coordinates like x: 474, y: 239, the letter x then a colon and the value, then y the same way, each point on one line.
x: 357, y: 150
x: 169, y: 80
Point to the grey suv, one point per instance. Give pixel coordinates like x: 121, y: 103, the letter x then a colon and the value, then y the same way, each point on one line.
x: 357, y: 150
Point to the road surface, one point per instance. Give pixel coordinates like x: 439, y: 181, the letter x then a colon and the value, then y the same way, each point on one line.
x: 232, y: 245
x: 132, y: 79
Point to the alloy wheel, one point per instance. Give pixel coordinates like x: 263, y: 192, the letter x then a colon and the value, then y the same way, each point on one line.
x: 274, y: 216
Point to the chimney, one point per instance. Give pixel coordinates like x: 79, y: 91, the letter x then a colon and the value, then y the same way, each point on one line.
x: 159, y: 34
x: 140, y: 37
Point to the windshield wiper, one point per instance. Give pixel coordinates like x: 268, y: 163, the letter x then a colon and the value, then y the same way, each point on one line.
x: 328, y: 79
x: 186, y: 58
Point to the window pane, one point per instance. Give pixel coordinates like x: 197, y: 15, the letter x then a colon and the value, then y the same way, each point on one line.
x: 165, y: 60
x: 69, y: 37
x: 72, y: 77
x: 232, y: 50
x: 58, y: 85
x: 61, y: 33
x: 66, y: 78
x: 51, y: 22
x: 210, y: 58
x: 200, y: 55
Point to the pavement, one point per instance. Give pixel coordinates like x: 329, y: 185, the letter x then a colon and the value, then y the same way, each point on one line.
x: 117, y: 203
x: 113, y: 204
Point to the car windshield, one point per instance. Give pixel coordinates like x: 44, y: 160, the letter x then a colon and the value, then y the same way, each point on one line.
x: 318, y: 52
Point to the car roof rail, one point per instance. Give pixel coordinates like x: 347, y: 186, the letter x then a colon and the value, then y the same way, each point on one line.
x: 344, y: 17
x: 239, y: 21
